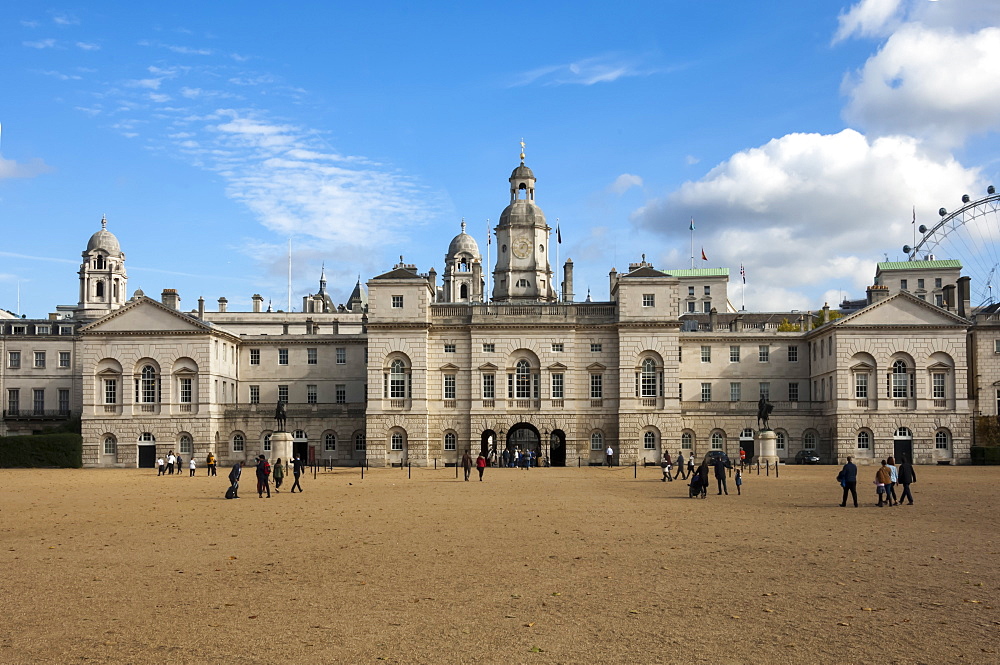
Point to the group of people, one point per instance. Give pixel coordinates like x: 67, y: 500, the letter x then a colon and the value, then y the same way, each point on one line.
x: 700, y: 476
x: 887, y: 477
x: 265, y: 472
x: 166, y: 466
x: 517, y: 458
x: 467, y: 465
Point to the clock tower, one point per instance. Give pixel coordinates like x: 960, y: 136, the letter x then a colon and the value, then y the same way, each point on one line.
x: 522, y: 270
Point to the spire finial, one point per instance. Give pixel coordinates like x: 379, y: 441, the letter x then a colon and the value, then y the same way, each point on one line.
x: 104, y: 221
x: 522, y: 150
x: 463, y: 225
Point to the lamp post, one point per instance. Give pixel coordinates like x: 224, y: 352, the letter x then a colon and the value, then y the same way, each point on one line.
x: 544, y: 445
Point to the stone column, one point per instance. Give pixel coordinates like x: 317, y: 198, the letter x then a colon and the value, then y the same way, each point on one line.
x: 766, y: 447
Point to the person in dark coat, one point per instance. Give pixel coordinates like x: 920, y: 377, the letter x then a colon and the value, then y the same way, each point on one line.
x: 680, y: 466
x: 848, y: 478
x: 906, y: 475
x: 234, y: 478
x: 720, y: 476
x: 297, y: 467
x: 467, y: 465
x: 703, y: 472
x: 263, y: 471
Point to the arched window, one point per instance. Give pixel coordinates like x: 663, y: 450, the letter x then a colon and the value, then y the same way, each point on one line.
x: 717, y: 440
x: 902, y: 433
x: 146, y: 438
x: 239, y: 443
x: 359, y: 441
x: 779, y: 440
x: 597, y: 441
x: 330, y: 441
x: 649, y: 441
x: 397, y: 379
x: 186, y: 444
x: 864, y: 441
x: 809, y: 441
x: 647, y: 382
x: 450, y: 441
x: 747, y: 433
x: 522, y: 379
x: 902, y: 380
x: 687, y: 441
x: 396, y: 441
x: 300, y: 435
x: 100, y: 289
x: 267, y: 442
x: 942, y: 440
x: 110, y: 445
x: 463, y: 292
x: 149, y: 386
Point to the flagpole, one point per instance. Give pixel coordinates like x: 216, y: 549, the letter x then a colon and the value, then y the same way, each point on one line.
x: 692, y: 243
x: 489, y: 241
x: 289, y: 273
x: 559, y: 281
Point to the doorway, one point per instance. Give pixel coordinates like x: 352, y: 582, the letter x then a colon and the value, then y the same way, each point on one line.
x: 902, y: 444
x: 557, y: 448
x: 524, y: 437
x: 147, y: 457
x: 488, y: 447
x: 747, y: 444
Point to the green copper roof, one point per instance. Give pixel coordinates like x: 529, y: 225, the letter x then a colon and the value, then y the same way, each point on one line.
x: 918, y: 265
x: 700, y: 272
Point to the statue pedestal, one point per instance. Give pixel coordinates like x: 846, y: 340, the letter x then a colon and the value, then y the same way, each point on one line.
x: 767, y: 450
x: 281, y: 447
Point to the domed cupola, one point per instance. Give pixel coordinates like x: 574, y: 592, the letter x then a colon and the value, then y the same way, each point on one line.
x: 102, y: 275
x: 522, y: 270
x: 463, y: 270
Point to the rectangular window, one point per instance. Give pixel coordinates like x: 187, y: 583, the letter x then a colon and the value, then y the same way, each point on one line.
x: 397, y: 302
x: 764, y: 390
x: 64, y: 358
x: 449, y: 386
x: 793, y: 392
x: 938, y: 385
x: 254, y: 356
x: 282, y: 356
x: 763, y: 353
x: 39, y: 359
x: 937, y: 282
x: 19, y: 330
x: 648, y: 300
x: 449, y: 348
x: 110, y: 391
x: 41, y: 330
x: 557, y: 386
x: 341, y: 393
x: 65, y: 330
x: 489, y: 386
x: 939, y: 300
x: 341, y: 356
x: 38, y: 399
x: 185, y: 391
x: 706, y: 392
x: 489, y: 348
x: 312, y: 357
x: 63, y: 401
x: 860, y: 386
x: 311, y: 394
x: 793, y: 354
x: 691, y: 291
x: 450, y: 442
x: 557, y: 347
x: 691, y: 307
x: 920, y: 283
x: 255, y: 394
x: 283, y: 393
x: 708, y: 290
x: 706, y: 354
x: 359, y: 442
x: 14, y: 401
x: 397, y: 442
x: 902, y: 284
x: 706, y: 307
x: 734, y: 354
x: 735, y: 388
x: 14, y: 359
x: 596, y: 386
x: 596, y: 347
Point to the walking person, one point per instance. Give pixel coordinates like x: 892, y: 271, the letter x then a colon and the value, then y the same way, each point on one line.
x: 481, y: 466
x: 739, y: 481
x: 467, y: 465
x: 906, y: 476
x: 170, y: 463
x: 234, y: 479
x: 297, y: 467
x: 160, y: 466
x: 210, y: 464
x: 893, y: 477
x: 848, y: 478
x: 882, y: 478
x: 263, y: 473
x: 610, y: 454
x: 703, y: 474
x: 720, y: 476
x: 180, y: 463
x: 665, y: 467
x: 680, y: 466
x: 191, y: 467
x: 691, y: 465
x: 278, y: 472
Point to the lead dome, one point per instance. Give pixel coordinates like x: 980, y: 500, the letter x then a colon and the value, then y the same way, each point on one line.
x: 104, y: 240
x: 463, y: 243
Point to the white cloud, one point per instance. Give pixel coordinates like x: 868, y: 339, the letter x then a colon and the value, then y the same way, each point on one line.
x: 61, y: 76
x: 625, y: 182
x: 40, y: 44
x: 152, y: 84
x: 86, y: 46
x: 935, y: 83
x: 65, y: 19
x: 599, y: 69
x: 11, y: 169
x: 868, y: 18
x: 159, y: 97
x: 691, y: 160
x: 30, y: 24
x: 184, y: 50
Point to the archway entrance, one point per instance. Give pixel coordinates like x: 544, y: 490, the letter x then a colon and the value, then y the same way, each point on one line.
x: 902, y: 444
x: 557, y: 448
x: 747, y: 444
x: 488, y: 447
x: 523, y: 437
x: 147, y: 456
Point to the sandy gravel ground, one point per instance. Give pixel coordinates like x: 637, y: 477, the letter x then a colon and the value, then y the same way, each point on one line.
x: 540, y: 566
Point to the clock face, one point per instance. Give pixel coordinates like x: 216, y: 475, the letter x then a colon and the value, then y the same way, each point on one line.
x: 522, y: 248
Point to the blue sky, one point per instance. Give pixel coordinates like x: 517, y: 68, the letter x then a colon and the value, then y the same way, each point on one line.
x: 800, y: 136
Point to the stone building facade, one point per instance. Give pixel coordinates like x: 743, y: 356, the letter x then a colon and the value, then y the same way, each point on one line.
x: 410, y: 371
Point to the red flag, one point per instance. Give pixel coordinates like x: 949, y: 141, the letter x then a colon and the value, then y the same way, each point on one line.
x: 703, y: 257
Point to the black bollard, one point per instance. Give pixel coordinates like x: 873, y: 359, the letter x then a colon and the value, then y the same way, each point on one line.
x: 435, y: 463
x: 775, y: 469
x: 767, y: 468
x: 635, y: 469
x: 362, y: 470
x: 409, y: 470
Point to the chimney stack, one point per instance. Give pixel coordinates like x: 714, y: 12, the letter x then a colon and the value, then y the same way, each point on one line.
x: 964, y: 306
x: 222, y: 304
x: 201, y: 308
x: 713, y: 319
x: 949, y: 298
x: 567, y: 294
x: 258, y: 302
x: 170, y: 298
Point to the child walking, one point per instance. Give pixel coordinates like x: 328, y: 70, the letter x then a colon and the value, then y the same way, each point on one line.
x: 739, y: 482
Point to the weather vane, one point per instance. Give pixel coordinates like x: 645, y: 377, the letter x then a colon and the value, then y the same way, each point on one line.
x: 522, y: 150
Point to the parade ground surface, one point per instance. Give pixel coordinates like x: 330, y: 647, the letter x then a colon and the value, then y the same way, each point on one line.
x: 570, y: 565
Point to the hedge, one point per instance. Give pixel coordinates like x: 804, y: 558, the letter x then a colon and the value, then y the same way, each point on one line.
x: 42, y: 450
x: 985, y: 455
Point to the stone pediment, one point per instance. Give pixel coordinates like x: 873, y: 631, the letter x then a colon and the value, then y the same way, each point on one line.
x: 557, y: 366
x: 596, y: 367
x: 146, y: 315
x: 862, y: 367
x: 901, y: 309
x: 488, y: 367
x: 449, y: 367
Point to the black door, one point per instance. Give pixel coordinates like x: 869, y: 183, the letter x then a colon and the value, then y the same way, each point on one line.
x: 748, y: 446
x: 301, y: 448
x: 557, y: 449
x: 902, y: 449
x: 147, y: 457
